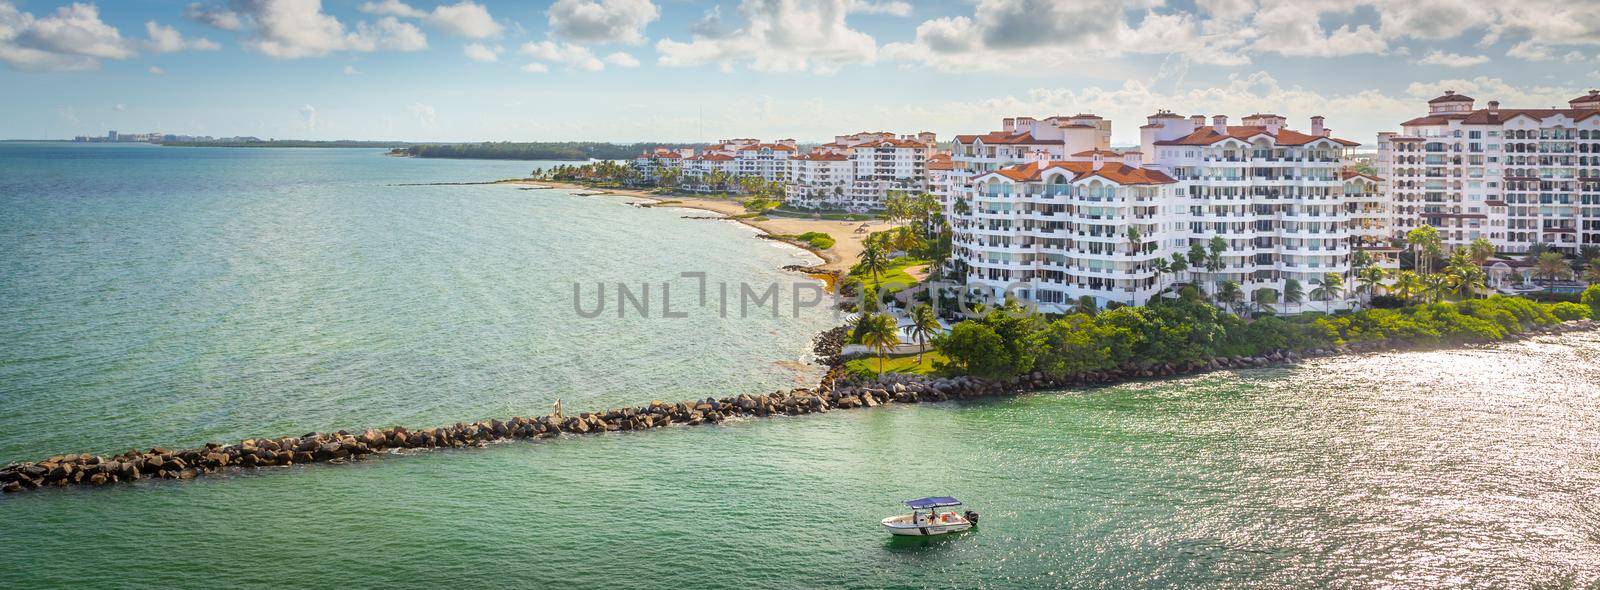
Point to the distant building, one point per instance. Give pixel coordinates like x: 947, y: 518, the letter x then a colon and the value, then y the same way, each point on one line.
x: 1514, y: 176
x: 859, y: 171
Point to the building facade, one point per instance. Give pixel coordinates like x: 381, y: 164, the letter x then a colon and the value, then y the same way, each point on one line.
x: 1046, y: 210
x: 1516, y: 177
x: 729, y: 158
x: 859, y: 171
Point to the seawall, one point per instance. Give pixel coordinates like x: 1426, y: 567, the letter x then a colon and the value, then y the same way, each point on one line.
x: 836, y: 392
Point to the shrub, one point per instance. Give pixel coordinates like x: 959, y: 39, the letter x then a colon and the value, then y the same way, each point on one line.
x: 1570, y: 311
x: 1591, y: 298
x: 1387, y: 302
x: 818, y: 240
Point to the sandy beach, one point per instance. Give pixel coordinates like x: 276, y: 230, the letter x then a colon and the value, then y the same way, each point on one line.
x: 838, y: 259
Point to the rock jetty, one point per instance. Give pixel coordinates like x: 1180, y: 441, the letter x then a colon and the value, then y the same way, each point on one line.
x: 836, y: 392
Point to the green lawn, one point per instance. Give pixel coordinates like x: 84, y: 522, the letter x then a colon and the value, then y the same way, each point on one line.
x: 892, y: 279
x: 896, y: 364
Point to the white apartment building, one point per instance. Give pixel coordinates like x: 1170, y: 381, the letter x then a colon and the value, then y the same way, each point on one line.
x: 875, y: 164
x: 734, y: 157
x: 1514, y: 176
x: 1044, y: 207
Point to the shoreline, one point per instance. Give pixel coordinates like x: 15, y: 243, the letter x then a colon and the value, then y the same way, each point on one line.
x: 836, y: 261
x: 88, y: 470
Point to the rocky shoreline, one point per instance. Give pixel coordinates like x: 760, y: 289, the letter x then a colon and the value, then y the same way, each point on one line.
x: 836, y: 392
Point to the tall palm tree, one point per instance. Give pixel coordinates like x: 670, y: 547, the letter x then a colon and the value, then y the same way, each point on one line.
x: 1332, y: 285
x: 1293, y: 293
x: 1230, y: 295
x: 924, y: 323
x: 1368, y: 279
x: 1135, y: 240
x: 1179, y: 265
x: 1425, y: 248
x: 873, y: 258
x: 1480, y: 251
x: 1466, y: 276
x: 879, y: 333
x: 1162, y: 268
x: 1214, y: 256
x: 1408, y: 285
x: 1266, y: 297
x: 1552, y: 266
x: 1086, y: 305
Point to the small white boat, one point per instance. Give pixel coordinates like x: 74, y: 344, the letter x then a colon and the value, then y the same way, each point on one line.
x: 926, y: 520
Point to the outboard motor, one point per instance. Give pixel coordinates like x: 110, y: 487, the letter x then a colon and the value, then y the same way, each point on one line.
x: 971, y: 516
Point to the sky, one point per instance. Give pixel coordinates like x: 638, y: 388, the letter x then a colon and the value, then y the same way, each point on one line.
x: 690, y: 71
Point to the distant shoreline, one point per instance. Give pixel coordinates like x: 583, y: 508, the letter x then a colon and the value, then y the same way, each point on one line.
x: 836, y: 260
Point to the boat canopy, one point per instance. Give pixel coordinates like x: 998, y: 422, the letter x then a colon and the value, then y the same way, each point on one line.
x: 934, y: 502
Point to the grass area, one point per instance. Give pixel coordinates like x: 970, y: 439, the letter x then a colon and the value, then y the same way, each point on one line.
x: 891, y: 279
x: 816, y: 239
x: 896, y: 364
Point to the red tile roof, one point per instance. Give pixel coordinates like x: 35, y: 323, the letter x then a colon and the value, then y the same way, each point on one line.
x: 1348, y: 174
x: 940, y: 162
x: 1451, y: 96
x: 1003, y: 138
x: 1113, y: 171
x: 1592, y: 96
x: 822, y: 157
x: 1483, y: 117
x: 1101, y: 152
x: 1208, y: 135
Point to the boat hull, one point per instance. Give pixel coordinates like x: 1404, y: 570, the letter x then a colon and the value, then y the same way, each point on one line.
x: 901, y: 526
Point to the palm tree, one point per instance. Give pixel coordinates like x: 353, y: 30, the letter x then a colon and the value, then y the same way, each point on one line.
x: 1292, y: 292
x: 1408, y: 285
x: 1214, y: 256
x: 1592, y: 275
x: 1466, y: 276
x: 878, y: 332
x: 1425, y: 247
x: 1162, y: 268
x: 1480, y: 251
x: 1332, y: 285
x: 1179, y: 265
x: 1230, y: 294
x: 1134, y: 240
x: 1552, y: 266
x: 1368, y: 279
x: 1086, y: 305
x: 873, y: 258
x: 924, y: 323
x: 669, y: 177
x: 1266, y: 297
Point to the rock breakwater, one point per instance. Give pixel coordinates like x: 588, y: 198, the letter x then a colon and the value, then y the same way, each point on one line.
x: 836, y: 392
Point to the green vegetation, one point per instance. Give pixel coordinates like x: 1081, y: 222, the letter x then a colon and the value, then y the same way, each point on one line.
x: 816, y: 239
x: 1591, y: 298
x: 505, y: 150
x: 890, y: 278
x: 927, y: 364
x: 1010, y: 341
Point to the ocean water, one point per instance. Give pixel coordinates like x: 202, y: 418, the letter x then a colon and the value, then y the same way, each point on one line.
x: 1456, y: 469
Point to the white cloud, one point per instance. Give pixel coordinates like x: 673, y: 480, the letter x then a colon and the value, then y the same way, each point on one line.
x: 779, y: 36
x: 352, y: 71
x: 166, y: 39
x: 1452, y: 60
x: 119, y: 107
x: 1530, y: 50
x: 219, y: 17
x: 568, y: 54
x: 884, y: 7
x: 72, y: 38
x: 480, y: 53
x: 308, y: 117
x: 391, y: 8
x: 292, y: 29
x: 462, y: 19
x: 1486, y: 88
x: 424, y: 113
x: 1573, y: 57
x: 157, y: 71
x: 622, y: 60
x: 602, y: 21
x: 465, y: 19
x: 1033, y: 35
x: 535, y: 68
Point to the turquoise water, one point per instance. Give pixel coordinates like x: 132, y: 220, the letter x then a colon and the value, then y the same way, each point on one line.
x: 1462, y: 469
